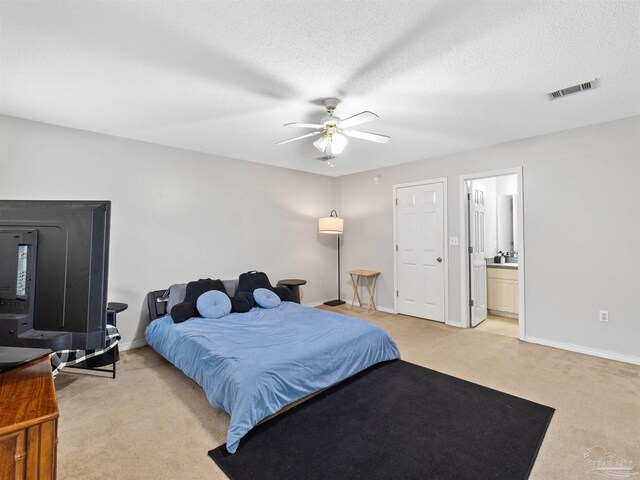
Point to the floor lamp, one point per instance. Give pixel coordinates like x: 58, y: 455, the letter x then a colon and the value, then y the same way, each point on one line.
x: 333, y: 225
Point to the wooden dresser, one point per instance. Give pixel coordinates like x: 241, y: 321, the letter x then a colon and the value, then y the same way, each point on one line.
x: 28, y: 422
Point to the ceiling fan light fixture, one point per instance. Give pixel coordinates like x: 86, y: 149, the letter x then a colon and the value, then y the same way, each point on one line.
x: 334, y: 131
x: 330, y: 121
x: 338, y: 142
x: 321, y: 143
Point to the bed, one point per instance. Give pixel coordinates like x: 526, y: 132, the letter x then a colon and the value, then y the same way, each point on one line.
x: 256, y: 363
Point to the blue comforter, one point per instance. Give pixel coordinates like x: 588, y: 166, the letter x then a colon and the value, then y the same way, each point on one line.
x: 253, y: 364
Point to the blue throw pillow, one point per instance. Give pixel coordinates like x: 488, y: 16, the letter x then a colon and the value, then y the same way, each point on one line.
x: 213, y: 304
x: 266, y: 298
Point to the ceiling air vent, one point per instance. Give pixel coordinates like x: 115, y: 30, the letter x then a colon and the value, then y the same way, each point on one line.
x: 581, y: 87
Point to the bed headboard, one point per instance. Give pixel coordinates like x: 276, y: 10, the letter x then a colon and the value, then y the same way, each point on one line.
x: 157, y: 303
x: 157, y: 300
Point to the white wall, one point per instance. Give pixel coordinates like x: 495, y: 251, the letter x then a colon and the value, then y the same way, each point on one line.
x: 176, y: 215
x: 179, y: 215
x: 581, y: 230
x: 507, y: 185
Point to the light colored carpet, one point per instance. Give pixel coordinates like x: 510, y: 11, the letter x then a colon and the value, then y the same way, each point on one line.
x: 152, y: 422
x: 499, y: 325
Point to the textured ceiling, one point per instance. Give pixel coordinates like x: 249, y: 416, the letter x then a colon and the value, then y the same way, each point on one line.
x: 223, y: 76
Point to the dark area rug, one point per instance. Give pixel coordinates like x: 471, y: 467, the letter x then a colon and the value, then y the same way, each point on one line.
x: 395, y: 420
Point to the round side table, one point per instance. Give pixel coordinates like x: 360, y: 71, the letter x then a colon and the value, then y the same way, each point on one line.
x: 294, y: 285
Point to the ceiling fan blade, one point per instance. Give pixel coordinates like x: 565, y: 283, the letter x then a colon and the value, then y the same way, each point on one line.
x: 357, y: 119
x: 372, y: 137
x: 298, y: 138
x: 303, y: 125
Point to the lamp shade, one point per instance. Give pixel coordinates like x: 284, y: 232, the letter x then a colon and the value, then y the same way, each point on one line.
x: 332, y: 225
x: 321, y: 143
x: 338, y: 142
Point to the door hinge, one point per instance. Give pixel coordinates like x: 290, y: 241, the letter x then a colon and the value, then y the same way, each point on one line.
x: 470, y: 249
x: 396, y: 247
x: 471, y: 303
x: 397, y: 293
x: 468, y: 196
x: 396, y: 201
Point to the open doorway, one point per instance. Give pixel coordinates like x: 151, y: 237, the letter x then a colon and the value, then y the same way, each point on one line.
x: 493, y: 254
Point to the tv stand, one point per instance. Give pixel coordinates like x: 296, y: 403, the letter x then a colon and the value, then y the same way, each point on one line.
x: 28, y: 422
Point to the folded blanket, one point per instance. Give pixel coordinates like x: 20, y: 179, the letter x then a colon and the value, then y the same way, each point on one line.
x: 65, y: 358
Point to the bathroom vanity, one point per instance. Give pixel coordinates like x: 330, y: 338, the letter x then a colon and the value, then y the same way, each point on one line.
x: 502, y: 289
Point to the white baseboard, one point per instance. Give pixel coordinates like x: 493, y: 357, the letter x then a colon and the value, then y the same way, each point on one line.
x: 500, y: 313
x: 455, y: 324
x: 139, y: 342
x: 586, y: 350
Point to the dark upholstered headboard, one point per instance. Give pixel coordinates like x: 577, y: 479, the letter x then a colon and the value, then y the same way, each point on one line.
x: 157, y: 303
x: 157, y: 300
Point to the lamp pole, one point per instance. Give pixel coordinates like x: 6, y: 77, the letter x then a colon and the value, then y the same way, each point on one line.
x: 333, y: 225
x: 339, y: 298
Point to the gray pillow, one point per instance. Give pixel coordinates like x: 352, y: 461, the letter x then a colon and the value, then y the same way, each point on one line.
x: 177, y: 293
x: 230, y: 286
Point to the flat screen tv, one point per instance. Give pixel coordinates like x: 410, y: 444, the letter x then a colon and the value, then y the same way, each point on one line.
x: 54, y: 258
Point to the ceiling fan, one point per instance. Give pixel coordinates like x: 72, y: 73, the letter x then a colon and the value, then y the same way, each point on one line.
x: 334, y: 131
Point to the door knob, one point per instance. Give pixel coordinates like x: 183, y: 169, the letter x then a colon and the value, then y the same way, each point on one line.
x: 439, y: 259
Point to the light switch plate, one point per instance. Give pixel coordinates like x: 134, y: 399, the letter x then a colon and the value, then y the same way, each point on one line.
x: 453, y: 240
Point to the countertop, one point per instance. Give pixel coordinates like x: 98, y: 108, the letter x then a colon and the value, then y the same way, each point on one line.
x: 502, y: 265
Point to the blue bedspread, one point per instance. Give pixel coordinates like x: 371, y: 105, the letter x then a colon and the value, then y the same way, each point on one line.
x: 253, y: 364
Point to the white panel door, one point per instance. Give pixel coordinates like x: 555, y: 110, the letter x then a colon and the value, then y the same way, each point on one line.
x: 420, y: 258
x: 477, y: 262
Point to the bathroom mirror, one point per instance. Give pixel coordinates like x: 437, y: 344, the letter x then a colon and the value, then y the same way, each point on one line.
x: 506, y: 223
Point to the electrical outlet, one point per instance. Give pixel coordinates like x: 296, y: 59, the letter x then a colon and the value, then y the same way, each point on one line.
x: 453, y: 240
x: 604, y: 315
